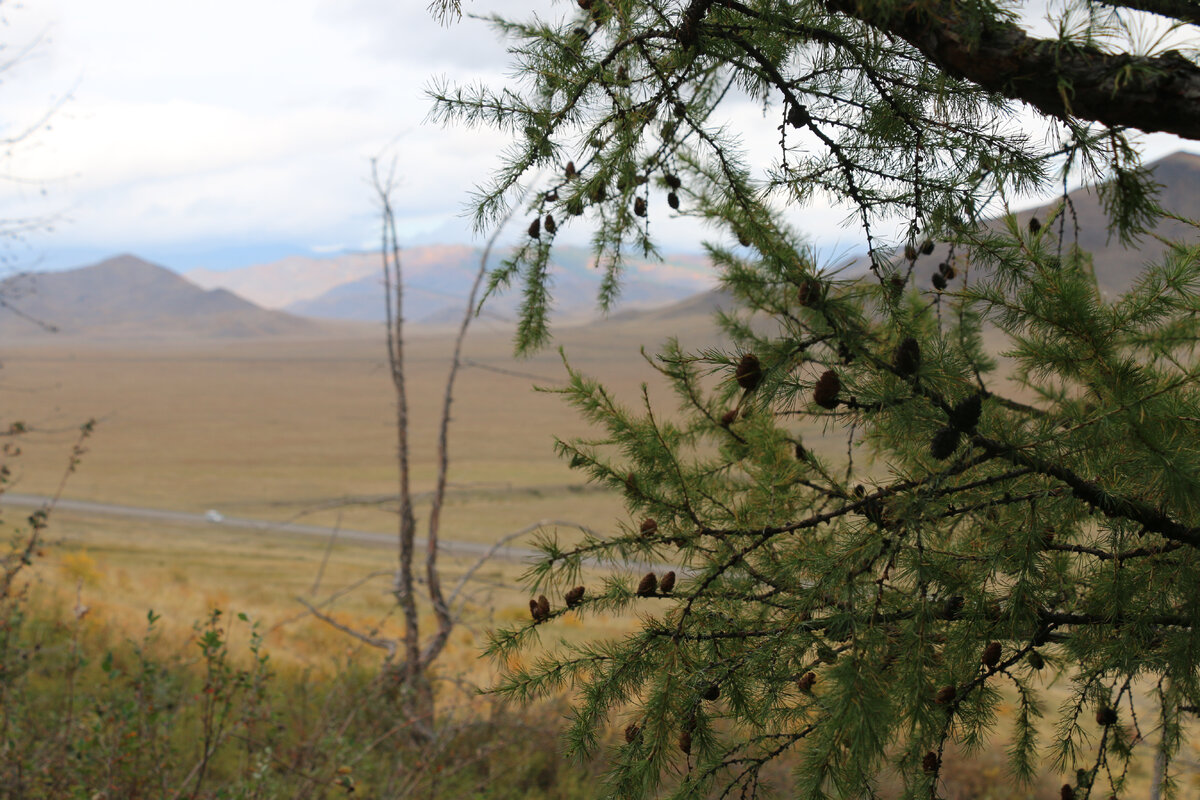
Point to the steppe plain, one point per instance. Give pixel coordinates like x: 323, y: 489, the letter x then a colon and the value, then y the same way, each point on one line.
x: 303, y: 429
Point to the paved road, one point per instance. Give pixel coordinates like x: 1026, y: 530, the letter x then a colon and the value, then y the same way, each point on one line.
x: 506, y: 552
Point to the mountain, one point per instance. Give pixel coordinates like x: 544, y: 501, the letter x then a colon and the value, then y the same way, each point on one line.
x: 437, y: 279
x: 1116, y: 267
x: 127, y: 297
x: 278, y: 284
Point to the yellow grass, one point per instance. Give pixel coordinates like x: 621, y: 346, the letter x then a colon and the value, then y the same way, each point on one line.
x: 304, y: 431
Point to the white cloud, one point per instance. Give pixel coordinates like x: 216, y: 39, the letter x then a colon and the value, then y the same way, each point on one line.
x: 236, y: 119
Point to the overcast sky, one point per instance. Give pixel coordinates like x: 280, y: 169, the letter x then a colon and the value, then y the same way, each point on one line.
x: 220, y: 133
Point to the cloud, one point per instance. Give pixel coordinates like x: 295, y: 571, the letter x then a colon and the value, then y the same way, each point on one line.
x: 231, y: 120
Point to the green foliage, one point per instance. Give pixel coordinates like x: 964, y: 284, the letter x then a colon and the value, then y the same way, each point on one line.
x: 1019, y: 495
x: 84, y: 716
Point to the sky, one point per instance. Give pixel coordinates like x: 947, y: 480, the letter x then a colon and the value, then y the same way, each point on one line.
x: 230, y: 132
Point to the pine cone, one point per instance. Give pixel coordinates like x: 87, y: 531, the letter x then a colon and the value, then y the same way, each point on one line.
x: 806, y: 681
x: 667, y: 583
x: 711, y: 693
x: 533, y: 610
x: 549, y: 224
x: 801, y: 453
x: 939, y: 281
x: 743, y: 240
x: 543, y: 606
x: 672, y: 181
x: 749, y: 372
x: 1106, y: 715
x: 944, y: 443
x: 673, y: 200
x: 649, y: 527
x: 910, y: 252
x: 574, y: 597
x: 729, y: 417
x: 930, y: 763
x: 965, y: 415
x: 952, y: 606
x: 991, y: 655
x: 1035, y: 659
x: 535, y: 229
x: 810, y: 292
x: 873, y: 510
x: 1067, y: 793
x: 685, y: 742
x: 639, y: 206
x: 631, y: 732
x: 945, y: 695
x: 1034, y: 225
x: 908, y: 357
x: 927, y: 247
x: 648, y: 585
x: 825, y: 393
x: 798, y: 115
x: 570, y: 170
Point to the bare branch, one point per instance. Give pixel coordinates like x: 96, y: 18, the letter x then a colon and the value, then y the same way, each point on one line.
x: 440, y: 608
x: 387, y: 645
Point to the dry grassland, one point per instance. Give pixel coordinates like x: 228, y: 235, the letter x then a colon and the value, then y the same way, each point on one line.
x: 304, y: 431
x: 301, y: 431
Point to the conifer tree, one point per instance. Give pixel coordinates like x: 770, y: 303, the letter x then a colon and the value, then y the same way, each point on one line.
x: 989, y: 522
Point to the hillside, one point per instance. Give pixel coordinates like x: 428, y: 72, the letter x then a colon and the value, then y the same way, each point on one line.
x: 1116, y: 267
x: 127, y: 297
x: 437, y: 279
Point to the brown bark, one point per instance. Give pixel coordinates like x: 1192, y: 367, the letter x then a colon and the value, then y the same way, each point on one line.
x: 1120, y: 90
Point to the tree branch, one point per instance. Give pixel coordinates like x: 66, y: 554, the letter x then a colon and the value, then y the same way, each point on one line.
x: 1120, y: 90
x: 1182, y: 10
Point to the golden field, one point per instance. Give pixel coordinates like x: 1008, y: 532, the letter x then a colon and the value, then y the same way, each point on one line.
x: 302, y: 430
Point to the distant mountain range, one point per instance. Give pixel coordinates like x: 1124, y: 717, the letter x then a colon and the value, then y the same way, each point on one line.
x: 126, y: 297
x: 438, y: 278
x: 1116, y: 267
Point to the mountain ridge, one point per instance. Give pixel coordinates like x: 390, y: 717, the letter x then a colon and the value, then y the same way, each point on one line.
x: 437, y: 279
x: 1116, y: 267
x: 128, y: 297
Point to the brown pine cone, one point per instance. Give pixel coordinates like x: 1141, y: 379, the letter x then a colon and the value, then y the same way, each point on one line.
x: 667, y: 583
x: 825, y: 393
x: 991, y: 655
x: 749, y: 372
